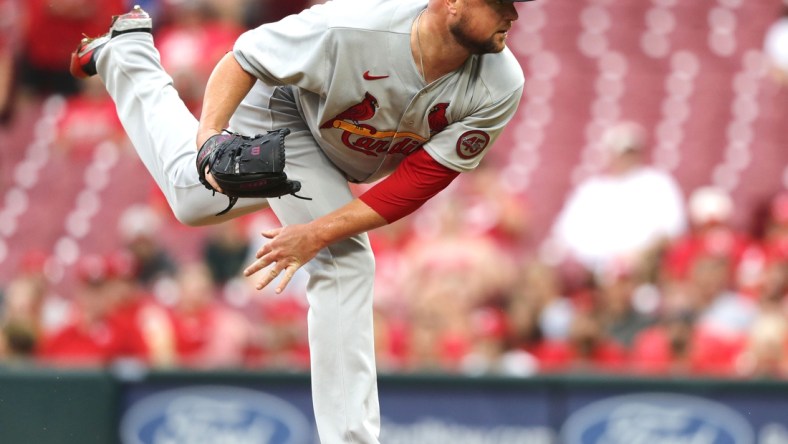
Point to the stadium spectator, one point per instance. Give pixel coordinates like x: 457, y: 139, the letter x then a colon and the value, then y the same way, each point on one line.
x: 279, y: 334
x: 588, y: 349
x: 191, y: 44
x: 208, y: 334
x: 38, y: 267
x: 710, y: 210
x: 443, y: 250
x: 665, y: 348
x: 89, y: 118
x: 20, y: 322
x: 9, y: 44
x: 776, y: 47
x: 615, y: 303
x: 390, y: 244
x: 489, y: 352
x: 226, y: 250
x: 139, y: 227
x: 92, y: 337
x: 522, y: 322
x: 487, y: 208
x: 51, y: 28
x: 539, y: 286
x: 775, y: 239
x: 136, y: 310
x: 622, y: 213
x: 724, y: 316
x: 765, y: 353
x: 438, y: 335
x: 391, y: 332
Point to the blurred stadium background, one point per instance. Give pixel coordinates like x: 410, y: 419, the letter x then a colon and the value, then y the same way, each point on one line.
x: 502, y: 315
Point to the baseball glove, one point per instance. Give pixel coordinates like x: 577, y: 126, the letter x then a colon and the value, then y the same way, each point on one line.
x: 247, y: 166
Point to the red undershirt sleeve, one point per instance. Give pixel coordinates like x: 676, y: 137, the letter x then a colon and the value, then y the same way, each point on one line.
x: 416, y: 180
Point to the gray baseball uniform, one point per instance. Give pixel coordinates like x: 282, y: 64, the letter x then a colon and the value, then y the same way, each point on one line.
x: 342, y: 77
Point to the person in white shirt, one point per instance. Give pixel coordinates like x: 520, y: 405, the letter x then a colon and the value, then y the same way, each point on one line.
x: 623, y: 212
x: 775, y: 46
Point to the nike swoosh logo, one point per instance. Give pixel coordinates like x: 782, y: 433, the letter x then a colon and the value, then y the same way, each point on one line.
x: 368, y: 76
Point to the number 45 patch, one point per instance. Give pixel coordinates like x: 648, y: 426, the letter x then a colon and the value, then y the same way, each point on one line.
x: 472, y: 143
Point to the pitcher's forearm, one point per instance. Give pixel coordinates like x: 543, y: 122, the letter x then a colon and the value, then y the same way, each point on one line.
x: 354, y: 218
x: 226, y: 88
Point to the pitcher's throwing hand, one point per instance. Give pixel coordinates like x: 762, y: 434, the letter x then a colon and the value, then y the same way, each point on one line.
x: 290, y: 248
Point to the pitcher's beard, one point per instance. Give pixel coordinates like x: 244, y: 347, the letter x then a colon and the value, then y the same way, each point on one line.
x: 473, y: 45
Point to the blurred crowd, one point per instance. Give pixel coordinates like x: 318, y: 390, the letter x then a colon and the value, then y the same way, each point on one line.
x: 635, y: 276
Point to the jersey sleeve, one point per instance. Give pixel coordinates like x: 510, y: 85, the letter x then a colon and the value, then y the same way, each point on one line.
x: 417, y: 179
x: 292, y: 51
x: 463, y: 144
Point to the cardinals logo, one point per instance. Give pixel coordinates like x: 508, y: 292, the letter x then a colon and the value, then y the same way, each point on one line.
x: 437, y: 118
x: 365, y: 138
x: 363, y: 110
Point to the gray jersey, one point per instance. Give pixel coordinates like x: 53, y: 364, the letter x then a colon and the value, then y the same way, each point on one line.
x: 361, y: 94
x: 343, y: 78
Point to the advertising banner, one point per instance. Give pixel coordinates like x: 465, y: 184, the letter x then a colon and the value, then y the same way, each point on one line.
x: 550, y: 412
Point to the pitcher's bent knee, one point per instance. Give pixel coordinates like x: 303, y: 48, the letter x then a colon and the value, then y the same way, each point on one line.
x: 195, y: 207
x: 188, y: 217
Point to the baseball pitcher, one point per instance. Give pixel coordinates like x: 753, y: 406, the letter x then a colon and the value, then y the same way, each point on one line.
x: 413, y: 92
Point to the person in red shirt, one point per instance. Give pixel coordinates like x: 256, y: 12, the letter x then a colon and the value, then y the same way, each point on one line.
x: 588, y: 349
x: 92, y: 337
x: 191, y: 44
x: 208, y: 333
x: 89, y: 118
x: 51, y: 28
x: 710, y: 211
x: 136, y: 312
x: 9, y: 43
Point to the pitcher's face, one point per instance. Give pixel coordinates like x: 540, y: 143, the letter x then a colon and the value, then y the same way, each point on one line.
x: 481, y: 26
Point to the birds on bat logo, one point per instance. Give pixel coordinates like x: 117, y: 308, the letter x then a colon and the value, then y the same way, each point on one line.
x: 364, y: 138
x: 361, y: 111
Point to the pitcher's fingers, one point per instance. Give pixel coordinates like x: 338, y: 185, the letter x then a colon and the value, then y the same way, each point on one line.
x: 211, y: 180
x: 257, y: 265
x: 262, y: 251
x: 267, y: 278
x: 270, y: 234
x: 289, y: 273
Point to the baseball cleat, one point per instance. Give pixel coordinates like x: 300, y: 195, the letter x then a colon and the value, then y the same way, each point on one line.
x: 83, y: 59
x: 135, y: 20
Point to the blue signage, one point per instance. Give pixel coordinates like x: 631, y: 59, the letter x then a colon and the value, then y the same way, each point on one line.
x: 213, y: 415
x: 656, y: 418
x: 547, y: 412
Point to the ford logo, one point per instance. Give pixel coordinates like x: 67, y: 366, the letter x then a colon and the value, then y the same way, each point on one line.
x: 213, y: 414
x: 655, y: 418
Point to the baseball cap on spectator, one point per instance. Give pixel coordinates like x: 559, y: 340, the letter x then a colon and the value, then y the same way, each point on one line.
x: 709, y: 205
x: 624, y: 137
x: 95, y: 269
x: 92, y: 269
x: 121, y: 265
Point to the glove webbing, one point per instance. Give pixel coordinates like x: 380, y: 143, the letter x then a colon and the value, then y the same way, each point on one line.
x: 234, y: 200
